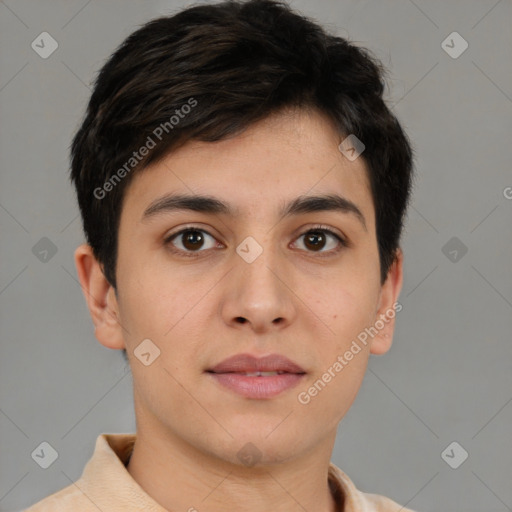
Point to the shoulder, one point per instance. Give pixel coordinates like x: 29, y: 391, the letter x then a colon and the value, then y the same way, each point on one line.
x: 377, y: 503
x: 104, y: 480
x: 355, y: 500
x: 69, y: 499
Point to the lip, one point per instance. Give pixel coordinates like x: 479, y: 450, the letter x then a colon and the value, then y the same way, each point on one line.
x: 250, y: 363
x: 230, y: 374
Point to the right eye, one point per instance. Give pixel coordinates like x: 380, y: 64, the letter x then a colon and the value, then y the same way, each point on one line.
x: 191, y: 239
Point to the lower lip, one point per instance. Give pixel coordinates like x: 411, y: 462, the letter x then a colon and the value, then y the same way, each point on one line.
x: 258, y: 387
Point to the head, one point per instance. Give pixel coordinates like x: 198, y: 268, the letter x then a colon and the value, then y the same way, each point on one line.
x: 247, y: 104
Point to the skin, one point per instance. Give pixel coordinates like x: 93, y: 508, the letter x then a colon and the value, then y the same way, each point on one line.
x: 189, y: 428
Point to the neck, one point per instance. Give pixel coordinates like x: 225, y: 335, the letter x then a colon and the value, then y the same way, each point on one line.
x: 179, y: 477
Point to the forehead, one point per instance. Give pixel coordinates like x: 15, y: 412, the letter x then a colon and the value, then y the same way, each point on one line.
x: 256, y: 172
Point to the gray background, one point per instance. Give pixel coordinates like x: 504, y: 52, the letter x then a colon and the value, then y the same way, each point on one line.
x: 448, y: 375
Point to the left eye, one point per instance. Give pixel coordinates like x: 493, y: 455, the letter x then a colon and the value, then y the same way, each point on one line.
x: 317, y: 239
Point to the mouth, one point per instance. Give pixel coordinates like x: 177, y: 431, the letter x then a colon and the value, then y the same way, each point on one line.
x: 257, y: 378
x: 257, y: 374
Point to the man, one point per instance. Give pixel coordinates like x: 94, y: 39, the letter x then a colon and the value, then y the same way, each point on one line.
x: 242, y: 186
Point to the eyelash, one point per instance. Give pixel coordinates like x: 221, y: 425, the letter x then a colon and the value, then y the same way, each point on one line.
x: 193, y: 254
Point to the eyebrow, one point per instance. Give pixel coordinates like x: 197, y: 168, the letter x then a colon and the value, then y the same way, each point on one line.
x: 213, y: 205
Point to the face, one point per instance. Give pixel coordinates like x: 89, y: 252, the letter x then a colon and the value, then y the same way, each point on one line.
x: 250, y: 278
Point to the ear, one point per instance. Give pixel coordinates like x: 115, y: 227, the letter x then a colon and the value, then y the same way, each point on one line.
x: 388, y: 307
x: 100, y: 297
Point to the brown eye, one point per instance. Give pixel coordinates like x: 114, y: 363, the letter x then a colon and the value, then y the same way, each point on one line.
x: 190, y: 240
x: 315, y: 240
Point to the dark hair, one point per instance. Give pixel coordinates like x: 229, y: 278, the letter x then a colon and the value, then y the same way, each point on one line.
x: 209, y: 72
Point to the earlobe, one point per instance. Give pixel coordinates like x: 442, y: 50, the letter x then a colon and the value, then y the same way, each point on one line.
x: 388, y: 307
x: 100, y: 298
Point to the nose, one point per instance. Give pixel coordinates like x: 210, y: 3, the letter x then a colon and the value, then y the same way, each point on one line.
x: 260, y: 296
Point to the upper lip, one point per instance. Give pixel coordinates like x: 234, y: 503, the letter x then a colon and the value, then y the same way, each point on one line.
x: 250, y: 363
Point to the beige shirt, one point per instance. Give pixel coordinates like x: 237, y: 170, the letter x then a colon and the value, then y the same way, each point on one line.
x: 107, y: 485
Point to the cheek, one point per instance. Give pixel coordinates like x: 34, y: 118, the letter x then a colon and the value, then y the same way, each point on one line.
x: 169, y: 308
x: 348, y: 298
x: 341, y: 358
x: 348, y: 310
x: 152, y: 293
